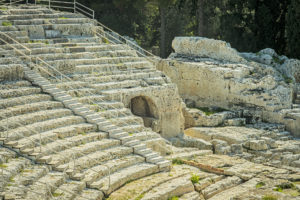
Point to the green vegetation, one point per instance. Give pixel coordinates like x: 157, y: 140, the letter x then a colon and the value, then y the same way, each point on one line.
x: 269, y: 197
x: 6, y: 23
x: 63, y: 18
x: 260, y: 184
x: 130, y: 134
x: 278, y: 60
x: 57, y: 194
x: 82, y: 133
x: 195, y: 178
x: 155, y: 23
x: 287, y: 79
x: 287, y: 188
x: 176, y: 161
x: 140, y: 196
x: 11, y: 179
x: 3, y: 166
x: 3, y: 8
x: 106, y: 41
x: 173, y: 198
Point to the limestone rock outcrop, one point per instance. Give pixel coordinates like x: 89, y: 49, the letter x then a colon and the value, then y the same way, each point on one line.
x: 210, y: 73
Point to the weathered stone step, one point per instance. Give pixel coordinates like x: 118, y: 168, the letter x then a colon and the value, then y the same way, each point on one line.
x: 100, y: 105
x: 44, y: 185
x: 90, y: 194
x: 111, y: 166
x: 14, y: 84
x: 96, y: 98
x: 115, y: 112
x: 12, y: 168
x: 75, y: 188
x: 38, y: 16
x: 59, y: 133
x: 26, y: 119
x: 41, y: 21
x: 25, y: 178
x: 146, y: 135
x: 115, y: 85
x: 78, y: 151
x: 8, y: 28
x: 220, y: 186
x: 96, y: 158
x: 97, y: 61
x: 134, y: 128
x: 31, y: 129
x: 173, y: 188
x: 30, y: 11
x: 237, y: 190
x: 61, y: 145
x: 112, y: 68
x: 70, y: 85
x: 29, y: 108
x: 120, y: 178
x: 101, y: 78
x: 15, y: 34
x: 296, y: 106
x: 190, y: 196
x: 127, y: 120
x: 85, y: 55
x: 10, y: 93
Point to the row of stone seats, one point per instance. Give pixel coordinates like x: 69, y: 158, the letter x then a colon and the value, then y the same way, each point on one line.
x: 20, y: 179
x: 89, y: 81
x: 68, y: 143
x: 44, y: 23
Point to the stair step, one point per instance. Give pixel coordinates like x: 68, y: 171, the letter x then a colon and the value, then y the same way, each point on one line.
x: 120, y: 178
x: 167, y: 190
x: 111, y: 166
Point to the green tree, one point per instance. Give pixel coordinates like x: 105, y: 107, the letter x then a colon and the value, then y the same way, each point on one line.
x: 293, y: 29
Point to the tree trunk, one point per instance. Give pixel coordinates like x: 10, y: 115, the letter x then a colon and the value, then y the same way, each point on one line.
x: 162, y: 11
x: 200, y: 17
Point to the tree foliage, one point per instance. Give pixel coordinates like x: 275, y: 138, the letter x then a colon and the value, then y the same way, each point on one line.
x: 249, y: 25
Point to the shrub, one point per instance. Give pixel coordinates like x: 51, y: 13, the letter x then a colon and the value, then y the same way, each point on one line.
x: 195, y: 179
x: 269, y: 197
x: 260, y: 184
x: 176, y: 161
x: 6, y: 23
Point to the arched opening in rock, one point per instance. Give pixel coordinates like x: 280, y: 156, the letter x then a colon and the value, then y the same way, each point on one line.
x: 145, y: 108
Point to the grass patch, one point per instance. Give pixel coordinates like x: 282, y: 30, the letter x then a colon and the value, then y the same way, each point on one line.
x: 106, y: 41
x: 3, y: 8
x: 269, y: 197
x: 287, y: 79
x: 177, y: 161
x: 3, y: 166
x: 173, y: 198
x: 56, y: 194
x: 6, y: 23
x: 260, y: 184
x: 130, y: 134
x: 11, y: 180
x: 82, y: 133
x: 195, y: 179
x: 140, y: 196
x: 63, y: 18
